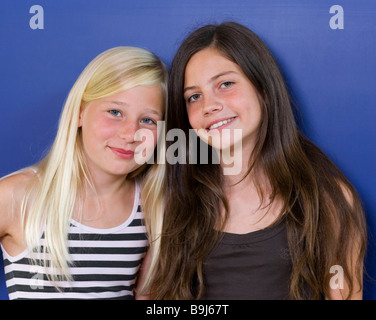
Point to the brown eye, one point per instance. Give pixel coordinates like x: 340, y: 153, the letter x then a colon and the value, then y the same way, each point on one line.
x: 194, y: 97
x: 227, y: 84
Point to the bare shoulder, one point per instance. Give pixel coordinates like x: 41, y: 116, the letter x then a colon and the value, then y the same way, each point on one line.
x: 15, y: 184
x: 12, y: 191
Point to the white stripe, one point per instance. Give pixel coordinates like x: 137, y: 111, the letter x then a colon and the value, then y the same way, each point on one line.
x: 24, y: 267
x: 72, y: 284
x: 105, y: 257
x: 114, y: 271
x: 71, y: 295
x: 91, y: 257
x: 34, y: 269
x: 127, y: 230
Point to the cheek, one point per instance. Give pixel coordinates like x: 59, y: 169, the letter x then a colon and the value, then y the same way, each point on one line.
x: 147, y: 142
x: 97, y: 130
x: 194, y: 117
x: 106, y: 132
x: 104, y: 127
x: 256, y: 112
x: 147, y: 138
x: 250, y: 107
x: 154, y: 138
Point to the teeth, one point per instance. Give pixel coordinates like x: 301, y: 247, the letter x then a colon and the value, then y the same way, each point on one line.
x: 220, y: 123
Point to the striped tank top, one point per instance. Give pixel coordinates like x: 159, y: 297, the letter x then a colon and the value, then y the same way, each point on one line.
x: 104, y: 263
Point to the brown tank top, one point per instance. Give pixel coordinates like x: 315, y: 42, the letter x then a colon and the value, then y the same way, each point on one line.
x: 255, y: 265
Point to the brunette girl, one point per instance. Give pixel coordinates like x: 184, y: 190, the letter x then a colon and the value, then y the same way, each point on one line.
x: 286, y: 223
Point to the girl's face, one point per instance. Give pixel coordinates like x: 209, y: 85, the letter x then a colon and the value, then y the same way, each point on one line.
x: 119, y: 131
x: 219, y: 96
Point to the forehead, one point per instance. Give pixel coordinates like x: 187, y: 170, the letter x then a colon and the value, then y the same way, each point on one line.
x: 141, y: 98
x: 207, y: 63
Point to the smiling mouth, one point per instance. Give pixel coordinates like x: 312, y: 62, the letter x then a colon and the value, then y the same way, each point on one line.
x: 121, y: 153
x: 219, y: 124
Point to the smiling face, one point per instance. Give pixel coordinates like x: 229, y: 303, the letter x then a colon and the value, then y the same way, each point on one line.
x: 111, y: 127
x: 219, y: 96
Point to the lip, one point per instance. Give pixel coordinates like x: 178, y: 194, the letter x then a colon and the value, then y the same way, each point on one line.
x: 222, y: 126
x: 122, y: 153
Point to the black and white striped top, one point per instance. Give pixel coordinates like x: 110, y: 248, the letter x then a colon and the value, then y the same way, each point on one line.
x: 104, y: 265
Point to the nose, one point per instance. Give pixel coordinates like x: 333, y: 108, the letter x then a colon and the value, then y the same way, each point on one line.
x: 211, y: 105
x: 128, y: 131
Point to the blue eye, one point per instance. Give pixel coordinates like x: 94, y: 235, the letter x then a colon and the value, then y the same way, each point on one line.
x: 115, y: 113
x: 148, y: 121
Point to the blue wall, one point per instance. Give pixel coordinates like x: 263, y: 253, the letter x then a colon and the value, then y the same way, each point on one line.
x: 331, y: 72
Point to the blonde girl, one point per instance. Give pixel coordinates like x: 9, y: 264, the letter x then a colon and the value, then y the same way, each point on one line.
x: 71, y: 226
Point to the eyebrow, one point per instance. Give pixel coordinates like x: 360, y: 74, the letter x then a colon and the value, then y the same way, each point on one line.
x: 119, y: 103
x: 151, y: 110
x: 210, y: 80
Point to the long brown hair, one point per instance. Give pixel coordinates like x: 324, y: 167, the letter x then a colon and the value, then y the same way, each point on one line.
x: 324, y: 216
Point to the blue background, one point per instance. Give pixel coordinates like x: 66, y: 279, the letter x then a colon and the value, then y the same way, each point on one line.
x: 331, y: 73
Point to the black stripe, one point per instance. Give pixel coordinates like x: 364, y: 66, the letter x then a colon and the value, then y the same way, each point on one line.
x: 104, y: 277
x: 107, y: 237
x: 137, y: 223
x: 104, y: 250
x: 6, y: 262
x: 109, y: 251
x: 106, y: 264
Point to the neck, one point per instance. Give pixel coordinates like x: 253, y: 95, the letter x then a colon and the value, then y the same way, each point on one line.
x: 105, y: 199
x: 235, y: 163
x: 104, y: 184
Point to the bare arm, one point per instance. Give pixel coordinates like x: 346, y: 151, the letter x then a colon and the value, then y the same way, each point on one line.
x: 7, y: 204
x: 12, y: 190
x: 141, y: 277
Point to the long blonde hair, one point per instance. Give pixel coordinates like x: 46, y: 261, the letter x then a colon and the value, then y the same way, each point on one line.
x: 54, y: 193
